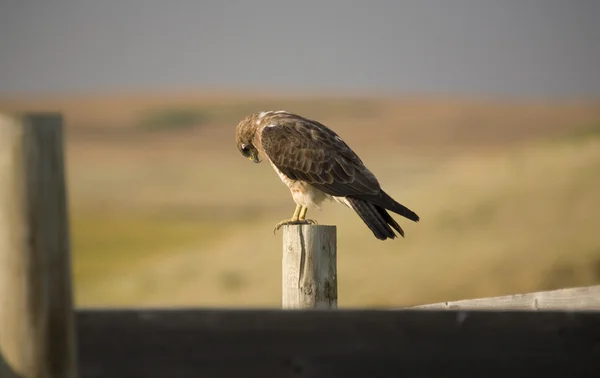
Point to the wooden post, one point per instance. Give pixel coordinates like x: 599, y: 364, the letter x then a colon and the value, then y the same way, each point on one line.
x: 309, y: 267
x: 37, y: 334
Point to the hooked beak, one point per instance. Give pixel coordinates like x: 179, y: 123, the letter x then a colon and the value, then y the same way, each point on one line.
x: 254, y: 157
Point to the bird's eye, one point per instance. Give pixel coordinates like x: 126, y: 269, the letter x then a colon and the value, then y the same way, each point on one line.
x: 245, y: 148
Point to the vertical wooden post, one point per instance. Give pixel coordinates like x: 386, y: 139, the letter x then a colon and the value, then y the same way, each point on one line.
x: 309, y: 267
x: 37, y: 334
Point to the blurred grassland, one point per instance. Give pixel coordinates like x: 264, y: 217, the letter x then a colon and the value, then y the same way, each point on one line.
x: 165, y: 211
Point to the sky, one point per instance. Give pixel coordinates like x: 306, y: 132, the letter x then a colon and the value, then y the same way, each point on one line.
x: 464, y: 47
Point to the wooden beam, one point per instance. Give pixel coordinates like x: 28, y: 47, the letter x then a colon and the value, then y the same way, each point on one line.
x: 580, y: 298
x: 337, y: 343
x: 36, y: 314
x: 309, y: 267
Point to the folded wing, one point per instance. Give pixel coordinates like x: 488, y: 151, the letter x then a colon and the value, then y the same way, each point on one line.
x: 309, y: 151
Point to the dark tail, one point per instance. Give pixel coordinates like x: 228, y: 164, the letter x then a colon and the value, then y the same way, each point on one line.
x: 384, y: 200
x: 372, y: 210
x: 376, y: 218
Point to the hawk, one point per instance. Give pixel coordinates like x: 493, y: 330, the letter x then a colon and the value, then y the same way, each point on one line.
x: 317, y: 165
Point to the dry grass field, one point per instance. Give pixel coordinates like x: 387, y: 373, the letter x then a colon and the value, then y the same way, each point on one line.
x: 165, y: 211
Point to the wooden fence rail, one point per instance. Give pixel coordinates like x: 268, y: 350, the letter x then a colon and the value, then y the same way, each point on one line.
x: 337, y: 343
x: 455, y: 339
x: 578, y: 298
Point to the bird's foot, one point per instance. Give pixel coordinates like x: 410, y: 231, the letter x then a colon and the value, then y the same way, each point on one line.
x: 293, y: 221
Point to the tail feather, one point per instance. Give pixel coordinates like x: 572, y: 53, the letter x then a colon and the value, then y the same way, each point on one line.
x: 389, y: 220
x: 385, y: 201
x: 376, y: 218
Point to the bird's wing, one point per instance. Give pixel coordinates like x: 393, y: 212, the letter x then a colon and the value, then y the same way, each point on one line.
x: 306, y: 150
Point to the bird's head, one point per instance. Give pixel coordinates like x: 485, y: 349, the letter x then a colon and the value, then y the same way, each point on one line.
x: 244, y: 135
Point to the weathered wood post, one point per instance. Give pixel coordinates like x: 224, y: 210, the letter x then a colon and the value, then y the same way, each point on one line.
x: 37, y: 334
x: 309, y: 267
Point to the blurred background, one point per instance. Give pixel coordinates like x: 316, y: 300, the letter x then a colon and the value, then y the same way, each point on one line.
x: 482, y: 116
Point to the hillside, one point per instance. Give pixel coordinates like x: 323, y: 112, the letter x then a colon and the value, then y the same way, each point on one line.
x: 166, y: 212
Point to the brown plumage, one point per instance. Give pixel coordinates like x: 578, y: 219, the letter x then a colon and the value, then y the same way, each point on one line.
x: 316, y: 164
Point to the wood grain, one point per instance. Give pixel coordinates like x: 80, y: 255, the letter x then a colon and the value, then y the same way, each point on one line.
x: 580, y: 298
x: 309, y: 267
x: 36, y: 314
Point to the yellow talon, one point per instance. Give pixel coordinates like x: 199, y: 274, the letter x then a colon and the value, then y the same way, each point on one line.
x: 297, y: 218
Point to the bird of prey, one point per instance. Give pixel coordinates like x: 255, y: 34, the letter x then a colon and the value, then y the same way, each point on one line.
x: 316, y: 164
